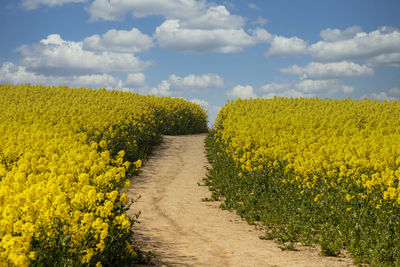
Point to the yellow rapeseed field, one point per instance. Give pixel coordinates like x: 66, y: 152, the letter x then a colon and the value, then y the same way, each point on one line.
x: 344, y: 143
x: 321, y: 169
x: 64, y: 156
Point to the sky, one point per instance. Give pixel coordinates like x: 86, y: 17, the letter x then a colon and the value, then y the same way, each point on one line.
x: 206, y: 51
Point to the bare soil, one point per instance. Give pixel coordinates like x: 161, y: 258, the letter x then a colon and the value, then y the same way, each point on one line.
x: 183, y: 230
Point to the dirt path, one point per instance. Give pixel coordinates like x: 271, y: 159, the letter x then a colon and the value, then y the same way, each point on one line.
x: 182, y: 230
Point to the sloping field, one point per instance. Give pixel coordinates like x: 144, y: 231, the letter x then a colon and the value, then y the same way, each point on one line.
x: 313, y: 170
x: 64, y: 158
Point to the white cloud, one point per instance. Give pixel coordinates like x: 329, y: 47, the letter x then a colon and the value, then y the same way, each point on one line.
x: 334, y: 35
x: 347, y: 89
x: 14, y: 74
x: 240, y: 91
x: 395, y: 92
x: 93, y: 81
x: 54, y: 56
x: 392, y: 95
x: 253, y: 6
x: 260, y: 21
x: 121, y: 41
x: 162, y: 89
x: 274, y: 87
x: 282, y: 47
x: 200, y: 102
x: 315, y: 70
x: 323, y: 87
x: 216, y: 17
x: 385, y: 60
x: 281, y: 89
x: 171, y: 36
x: 380, y: 96
x: 135, y: 79
x: 379, y: 48
x: 305, y: 88
x: 175, y: 85
x: 260, y: 35
x: 32, y: 4
x: 116, y: 9
x: 197, y: 82
x: 362, y: 46
x: 190, y: 26
x: 192, y: 14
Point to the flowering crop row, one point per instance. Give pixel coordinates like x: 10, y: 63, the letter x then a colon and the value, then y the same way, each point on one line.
x: 313, y: 169
x: 64, y: 158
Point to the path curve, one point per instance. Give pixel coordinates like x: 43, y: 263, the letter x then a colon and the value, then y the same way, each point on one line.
x: 182, y: 230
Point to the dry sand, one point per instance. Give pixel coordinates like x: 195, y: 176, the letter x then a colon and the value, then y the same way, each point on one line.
x: 182, y: 230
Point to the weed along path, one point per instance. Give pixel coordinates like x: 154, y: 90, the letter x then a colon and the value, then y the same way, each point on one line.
x: 182, y: 230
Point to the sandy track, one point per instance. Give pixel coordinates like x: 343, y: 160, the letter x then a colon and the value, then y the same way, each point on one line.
x: 182, y: 230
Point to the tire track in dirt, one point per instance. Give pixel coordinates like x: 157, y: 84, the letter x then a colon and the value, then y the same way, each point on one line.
x: 182, y: 230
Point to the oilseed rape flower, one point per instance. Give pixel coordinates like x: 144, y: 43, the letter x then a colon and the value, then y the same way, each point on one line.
x: 335, y: 163
x: 349, y: 142
x: 65, y: 157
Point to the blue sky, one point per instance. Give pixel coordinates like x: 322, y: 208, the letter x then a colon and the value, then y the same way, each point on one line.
x: 206, y: 51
